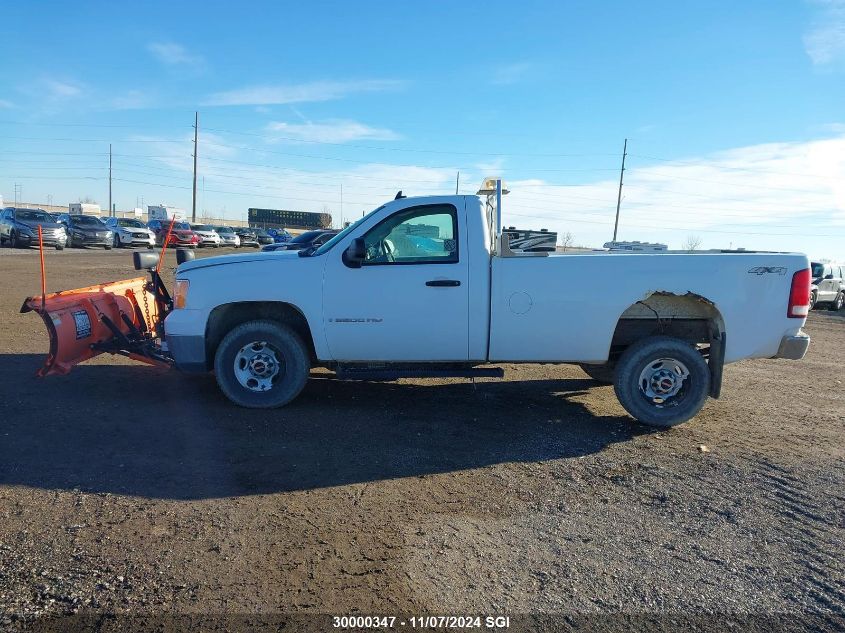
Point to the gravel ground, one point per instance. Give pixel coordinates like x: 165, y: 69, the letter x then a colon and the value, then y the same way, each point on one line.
x: 131, y: 490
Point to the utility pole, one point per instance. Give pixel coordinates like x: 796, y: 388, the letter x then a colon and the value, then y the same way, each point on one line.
x: 194, y: 198
x: 457, y: 183
x: 341, y: 205
x: 619, y: 197
x: 111, y: 212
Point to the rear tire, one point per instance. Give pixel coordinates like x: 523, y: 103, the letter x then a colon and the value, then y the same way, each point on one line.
x: 261, y: 365
x: 108, y: 248
x: 812, y: 300
x: 837, y: 303
x: 601, y: 373
x: 662, y: 381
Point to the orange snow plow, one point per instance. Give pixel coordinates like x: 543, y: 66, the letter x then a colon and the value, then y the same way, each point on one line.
x: 120, y: 317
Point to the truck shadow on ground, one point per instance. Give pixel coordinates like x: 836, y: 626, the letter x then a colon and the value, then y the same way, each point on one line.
x: 155, y: 433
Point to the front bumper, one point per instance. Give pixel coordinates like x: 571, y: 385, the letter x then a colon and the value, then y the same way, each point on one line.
x: 136, y: 240
x: 92, y: 240
x: 188, y: 352
x: 48, y: 240
x: 793, y: 347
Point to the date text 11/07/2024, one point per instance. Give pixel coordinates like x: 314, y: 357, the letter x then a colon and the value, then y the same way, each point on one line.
x: 421, y: 622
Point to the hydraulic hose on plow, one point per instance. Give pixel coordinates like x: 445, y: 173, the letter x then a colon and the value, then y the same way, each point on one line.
x: 120, y: 317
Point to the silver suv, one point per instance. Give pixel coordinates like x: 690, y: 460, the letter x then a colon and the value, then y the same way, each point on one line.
x: 828, y: 285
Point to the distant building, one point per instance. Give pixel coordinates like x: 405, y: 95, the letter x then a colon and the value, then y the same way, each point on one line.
x: 83, y: 208
x: 284, y: 218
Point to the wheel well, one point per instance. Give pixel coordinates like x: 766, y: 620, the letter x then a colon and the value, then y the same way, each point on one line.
x: 689, y: 317
x: 225, y: 317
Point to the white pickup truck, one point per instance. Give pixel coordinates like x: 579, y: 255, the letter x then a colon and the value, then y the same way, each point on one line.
x: 428, y: 287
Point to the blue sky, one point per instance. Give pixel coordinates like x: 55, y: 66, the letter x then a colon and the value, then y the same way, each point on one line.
x: 735, y: 112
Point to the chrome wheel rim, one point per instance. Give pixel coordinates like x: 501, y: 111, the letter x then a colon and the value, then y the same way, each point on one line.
x: 663, y: 382
x: 258, y: 366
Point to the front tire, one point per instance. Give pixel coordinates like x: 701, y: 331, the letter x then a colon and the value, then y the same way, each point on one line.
x: 261, y: 365
x: 662, y: 381
x: 813, y: 298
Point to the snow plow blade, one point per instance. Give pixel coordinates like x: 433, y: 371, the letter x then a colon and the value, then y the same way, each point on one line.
x: 120, y: 317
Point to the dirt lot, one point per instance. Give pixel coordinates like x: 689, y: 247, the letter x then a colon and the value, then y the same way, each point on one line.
x: 130, y: 489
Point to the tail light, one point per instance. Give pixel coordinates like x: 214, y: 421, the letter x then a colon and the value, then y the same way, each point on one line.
x: 799, y: 295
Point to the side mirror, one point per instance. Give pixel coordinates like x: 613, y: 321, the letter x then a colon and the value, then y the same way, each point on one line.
x: 184, y: 255
x: 829, y: 276
x: 144, y: 260
x: 354, y: 256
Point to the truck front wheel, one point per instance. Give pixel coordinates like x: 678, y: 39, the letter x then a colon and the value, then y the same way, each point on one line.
x: 662, y: 381
x: 261, y: 365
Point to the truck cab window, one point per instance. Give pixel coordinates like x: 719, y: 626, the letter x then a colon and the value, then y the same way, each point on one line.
x: 419, y: 235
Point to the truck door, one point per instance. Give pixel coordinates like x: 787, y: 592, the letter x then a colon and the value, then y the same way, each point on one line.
x: 409, y: 299
x: 826, y: 285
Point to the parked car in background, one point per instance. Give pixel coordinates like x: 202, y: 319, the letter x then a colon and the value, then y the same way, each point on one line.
x: 247, y: 235
x: 280, y: 235
x: 208, y: 236
x: 309, y: 239
x: 180, y: 235
x: 228, y: 237
x: 130, y: 232
x: 828, y: 285
x: 86, y: 230
x: 263, y: 237
x: 19, y: 227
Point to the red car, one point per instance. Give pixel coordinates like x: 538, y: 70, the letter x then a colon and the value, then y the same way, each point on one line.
x: 181, y: 235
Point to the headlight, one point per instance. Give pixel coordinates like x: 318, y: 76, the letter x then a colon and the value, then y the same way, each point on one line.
x: 25, y: 230
x: 180, y: 293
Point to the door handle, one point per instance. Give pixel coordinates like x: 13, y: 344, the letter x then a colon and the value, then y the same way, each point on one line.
x: 441, y: 283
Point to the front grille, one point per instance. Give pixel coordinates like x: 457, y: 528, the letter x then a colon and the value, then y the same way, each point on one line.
x: 140, y: 235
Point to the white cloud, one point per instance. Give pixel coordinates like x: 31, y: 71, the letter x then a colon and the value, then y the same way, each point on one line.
x: 333, y: 131
x: 173, y: 54
x: 299, y: 93
x: 4, y: 104
x: 57, y: 89
x: 781, y: 196
x: 825, y: 42
x: 508, y: 74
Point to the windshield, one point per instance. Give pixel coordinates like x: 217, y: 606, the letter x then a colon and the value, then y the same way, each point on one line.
x: 305, y: 237
x: 223, y: 229
x: 325, y: 248
x: 33, y: 216
x: 86, y: 220
x: 135, y: 224
x: 818, y: 269
x: 182, y: 226
x: 202, y: 227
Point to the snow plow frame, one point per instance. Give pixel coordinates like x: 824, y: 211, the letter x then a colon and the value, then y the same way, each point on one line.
x: 122, y: 317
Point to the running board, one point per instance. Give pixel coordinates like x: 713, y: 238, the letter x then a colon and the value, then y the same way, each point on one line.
x: 382, y: 373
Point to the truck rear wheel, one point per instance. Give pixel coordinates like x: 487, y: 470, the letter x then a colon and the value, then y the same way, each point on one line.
x: 662, y: 381
x: 600, y: 373
x: 261, y: 365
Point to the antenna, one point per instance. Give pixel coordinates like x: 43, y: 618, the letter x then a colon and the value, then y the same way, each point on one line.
x: 194, y: 197
x: 457, y: 183
x: 619, y: 197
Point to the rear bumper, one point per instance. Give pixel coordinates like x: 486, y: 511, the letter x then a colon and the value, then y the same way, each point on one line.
x: 793, y: 347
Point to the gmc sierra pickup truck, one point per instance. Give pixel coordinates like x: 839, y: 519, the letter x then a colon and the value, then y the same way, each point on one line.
x: 429, y: 287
